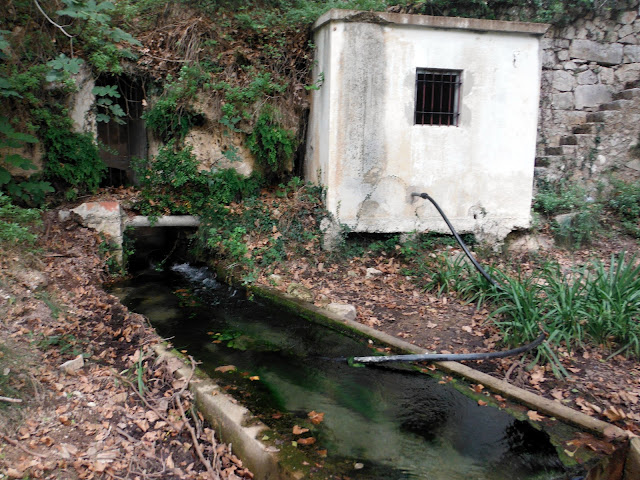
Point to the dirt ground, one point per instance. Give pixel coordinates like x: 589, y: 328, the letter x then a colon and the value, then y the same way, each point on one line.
x: 122, y: 415
x: 119, y: 413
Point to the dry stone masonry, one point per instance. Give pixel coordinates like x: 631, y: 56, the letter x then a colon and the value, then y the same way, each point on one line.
x: 589, y: 119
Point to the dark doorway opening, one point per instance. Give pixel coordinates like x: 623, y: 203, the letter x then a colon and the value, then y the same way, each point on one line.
x: 127, y: 140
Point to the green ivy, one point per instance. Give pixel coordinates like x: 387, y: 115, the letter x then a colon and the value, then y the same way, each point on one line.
x: 272, y: 144
x: 92, y: 22
x: 172, y: 116
x: 72, y: 160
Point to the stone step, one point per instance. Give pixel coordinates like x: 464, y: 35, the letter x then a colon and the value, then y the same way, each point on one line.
x: 615, y: 105
x: 545, y: 161
x: 628, y: 94
x: 586, y: 139
x: 561, y: 151
x: 569, y: 140
x: 542, y: 161
x: 602, y: 116
x: 632, y: 84
x: 586, y: 128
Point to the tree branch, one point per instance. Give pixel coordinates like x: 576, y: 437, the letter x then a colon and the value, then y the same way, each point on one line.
x: 55, y: 24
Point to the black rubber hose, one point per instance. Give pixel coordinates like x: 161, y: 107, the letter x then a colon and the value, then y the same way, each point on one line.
x: 482, y: 271
x: 443, y: 357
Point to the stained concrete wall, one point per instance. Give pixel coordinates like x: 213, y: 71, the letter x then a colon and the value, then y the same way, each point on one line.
x: 363, y: 145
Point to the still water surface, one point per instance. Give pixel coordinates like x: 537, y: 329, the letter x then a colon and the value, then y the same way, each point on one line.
x: 392, y: 423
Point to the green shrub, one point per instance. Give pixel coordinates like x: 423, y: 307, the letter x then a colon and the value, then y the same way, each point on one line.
x: 624, y: 200
x: 172, y: 116
x: 72, y: 160
x: 169, y: 119
x: 272, y: 145
x: 579, y: 229
x: 255, y: 234
x: 171, y: 183
x: 554, y: 198
x: 582, y: 222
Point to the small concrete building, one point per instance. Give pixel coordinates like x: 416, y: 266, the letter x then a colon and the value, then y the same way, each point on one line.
x: 414, y: 103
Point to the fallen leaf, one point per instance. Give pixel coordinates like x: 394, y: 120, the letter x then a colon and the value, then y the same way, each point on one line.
x: 482, y: 403
x: 534, y: 416
x: 226, y: 368
x: 306, y: 441
x: 316, y: 417
x: 537, y: 376
x: 297, y: 430
x: 614, y: 414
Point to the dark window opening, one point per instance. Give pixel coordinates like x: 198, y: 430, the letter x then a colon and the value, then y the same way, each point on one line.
x: 437, y: 97
x: 126, y: 140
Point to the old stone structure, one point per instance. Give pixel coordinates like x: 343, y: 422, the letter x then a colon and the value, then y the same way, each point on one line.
x: 589, y: 119
x: 415, y: 103
x: 588, y: 124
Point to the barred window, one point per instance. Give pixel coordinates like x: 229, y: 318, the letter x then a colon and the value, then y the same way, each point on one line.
x: 437, y: 97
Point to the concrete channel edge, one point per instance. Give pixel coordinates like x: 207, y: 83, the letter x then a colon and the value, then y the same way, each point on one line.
x: 519, y: 395
x: 233, y: 423
x: 516, y: 394
x: 236, y: 425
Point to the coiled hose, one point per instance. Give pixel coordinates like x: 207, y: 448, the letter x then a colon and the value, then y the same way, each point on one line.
x: 442, y: 357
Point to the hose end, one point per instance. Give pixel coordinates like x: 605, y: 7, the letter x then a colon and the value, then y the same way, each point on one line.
x: 421, y: 195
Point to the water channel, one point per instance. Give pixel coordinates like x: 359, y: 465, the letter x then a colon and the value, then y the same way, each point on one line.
x: 379, y: 423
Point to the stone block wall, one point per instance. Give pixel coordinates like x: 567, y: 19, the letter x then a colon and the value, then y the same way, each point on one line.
x: 589, y: 118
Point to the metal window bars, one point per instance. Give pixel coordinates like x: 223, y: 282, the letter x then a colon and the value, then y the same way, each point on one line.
x: 437, y: 97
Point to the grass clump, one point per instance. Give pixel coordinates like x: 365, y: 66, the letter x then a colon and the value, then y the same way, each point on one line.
x: 17, y: 224
x: 598, y: 303
x: 575, y: 214
x: 624, y: 200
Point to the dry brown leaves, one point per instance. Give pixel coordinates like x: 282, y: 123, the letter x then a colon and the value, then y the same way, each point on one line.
x: 95, y: 423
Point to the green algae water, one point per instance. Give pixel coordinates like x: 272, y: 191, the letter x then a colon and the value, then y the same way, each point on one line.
x: 379, y: 423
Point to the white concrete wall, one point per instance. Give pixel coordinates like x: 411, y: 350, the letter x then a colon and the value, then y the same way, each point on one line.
x: 371, y: 156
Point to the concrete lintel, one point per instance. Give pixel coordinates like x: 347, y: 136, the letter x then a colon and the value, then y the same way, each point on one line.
x: 458, y: 23
x: 164, y: 221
